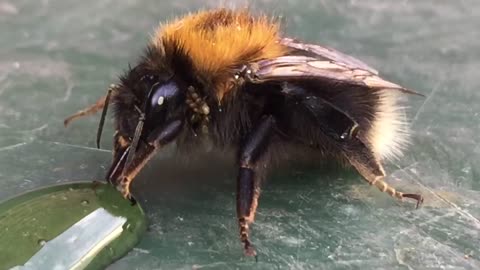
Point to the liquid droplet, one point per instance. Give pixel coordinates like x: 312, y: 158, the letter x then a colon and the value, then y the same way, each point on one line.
x: 85, y: 202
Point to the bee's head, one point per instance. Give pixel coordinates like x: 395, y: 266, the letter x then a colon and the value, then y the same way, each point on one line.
x: 149, y: 112
x: 156, y: 96
x: 164, y: 103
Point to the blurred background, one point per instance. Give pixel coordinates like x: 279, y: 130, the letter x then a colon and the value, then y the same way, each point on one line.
x: 58, y: 56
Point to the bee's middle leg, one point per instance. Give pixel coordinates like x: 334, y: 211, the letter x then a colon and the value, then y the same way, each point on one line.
x: 249, y: 176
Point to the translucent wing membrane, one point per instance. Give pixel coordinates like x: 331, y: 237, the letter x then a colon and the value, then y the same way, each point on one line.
x: 316, y: 62
x: 329, y: 54
x: 305, y: 67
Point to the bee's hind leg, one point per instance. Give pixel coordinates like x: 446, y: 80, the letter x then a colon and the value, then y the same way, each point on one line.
x: 372, y: 171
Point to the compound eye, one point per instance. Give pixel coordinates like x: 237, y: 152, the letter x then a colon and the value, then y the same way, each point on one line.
x: 160, y: 100
x: 161, y: 93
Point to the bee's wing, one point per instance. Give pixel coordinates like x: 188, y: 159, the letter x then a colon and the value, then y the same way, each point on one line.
x: 327, y: 54
x: 314, y: 62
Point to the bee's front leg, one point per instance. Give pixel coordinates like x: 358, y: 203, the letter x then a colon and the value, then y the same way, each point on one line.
x: 92, y: 109
x: 249, y: 176
x: 122, y: 172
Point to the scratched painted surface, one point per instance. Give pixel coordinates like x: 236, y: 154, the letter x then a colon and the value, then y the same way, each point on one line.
x: 58, y: 56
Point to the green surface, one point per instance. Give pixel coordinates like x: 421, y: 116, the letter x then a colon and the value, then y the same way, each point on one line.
x: 58, y: 56
x: 32, y: 219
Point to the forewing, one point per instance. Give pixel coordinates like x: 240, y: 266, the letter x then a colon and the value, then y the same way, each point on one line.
x: 319, y: 63
x: 328, y: 54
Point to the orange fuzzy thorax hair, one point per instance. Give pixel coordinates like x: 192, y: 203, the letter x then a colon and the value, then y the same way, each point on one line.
x: 220, y: 40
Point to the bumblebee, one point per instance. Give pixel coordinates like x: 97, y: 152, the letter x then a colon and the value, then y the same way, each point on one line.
x: 230, y: 78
